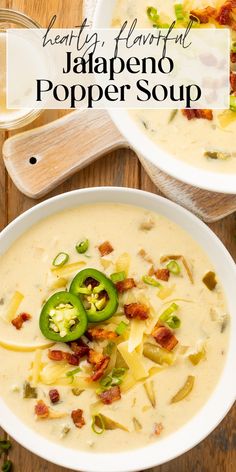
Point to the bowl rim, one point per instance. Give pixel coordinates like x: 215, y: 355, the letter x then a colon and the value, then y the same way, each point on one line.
x: 214, y: 410
x: 152, y: 152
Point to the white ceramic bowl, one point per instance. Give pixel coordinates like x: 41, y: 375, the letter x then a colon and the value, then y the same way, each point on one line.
x: 145, y: 147
x: 221, y: 399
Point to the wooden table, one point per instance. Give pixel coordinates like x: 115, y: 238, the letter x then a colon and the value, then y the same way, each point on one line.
x: 122, y: 168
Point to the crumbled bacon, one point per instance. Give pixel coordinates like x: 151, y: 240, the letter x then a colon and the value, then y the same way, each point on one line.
x: 78, y: 419
x: 79, y: 348
x: 162, y: 274
x: 198, y: 114
x: 41, y: 410
x: 233, y: 57
x: 226, y: 14
x: 54, y: 395
x: 233, y: 81
x: 125, y: 285
x: 99, y: 363
x: 20, y: 319
x: 100, y: 333
x: 158, y: 428
x: 136, y: 311
x: 57, y: 355
x: 203, y: 14
x: 111, y: 395
x: 105, y: 248
x: 164, y: 337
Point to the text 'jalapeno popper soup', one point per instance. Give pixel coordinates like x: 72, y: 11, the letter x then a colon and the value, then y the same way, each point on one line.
x: 203, y: 138
x: 113, y: 327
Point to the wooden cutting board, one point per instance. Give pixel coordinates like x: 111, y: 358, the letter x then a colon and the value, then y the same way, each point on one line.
x: 38, y: 160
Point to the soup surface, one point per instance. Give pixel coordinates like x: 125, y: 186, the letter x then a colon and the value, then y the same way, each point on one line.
x: 156, y: 351
x: 208, y: 143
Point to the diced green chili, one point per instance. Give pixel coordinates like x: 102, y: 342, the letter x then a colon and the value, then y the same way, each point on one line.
x: 168, y: 312
x: 118, y: 277
x: 210, y: 280
x: 61, y: 259
x: 174, y: 267
x: 232, y: 103
x: 98, y: 425
x: 185, y: 390
x: 108, y: 349
x: 157, y: 354
x: 77, y: 391
x: 7, y: 466
x: 82, y: 246
x: 28, y: 391
x: 179, y: 13
x: 151, y: 281
x: 220, y: 155
x: 73, y: 372
x: 121, y: 328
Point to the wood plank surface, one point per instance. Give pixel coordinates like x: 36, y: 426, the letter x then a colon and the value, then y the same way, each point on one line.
x: 217, y: 453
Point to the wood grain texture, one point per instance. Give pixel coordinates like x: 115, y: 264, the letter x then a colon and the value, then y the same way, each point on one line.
x: 121, y: 168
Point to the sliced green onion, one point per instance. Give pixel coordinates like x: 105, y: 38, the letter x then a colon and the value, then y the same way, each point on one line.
x: 168, y: 312
x: 174, y: 267
x: 73, y: 372
x: 153, y: 15
x: 82, y: 246
x: 179, y: 13
x: 98, y: 425
x: 113, y: 379
x: 151, y: 281
x: 118, y: 277
x: 121, y: 328
x: 173, y: 322
x: 61, y: 259
x: 233, y: 47
x: 232, y: 102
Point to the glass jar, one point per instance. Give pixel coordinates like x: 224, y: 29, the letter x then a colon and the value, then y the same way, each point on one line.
x: 12, y: 119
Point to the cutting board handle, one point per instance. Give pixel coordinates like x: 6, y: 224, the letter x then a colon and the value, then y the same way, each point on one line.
x: 40, y: 159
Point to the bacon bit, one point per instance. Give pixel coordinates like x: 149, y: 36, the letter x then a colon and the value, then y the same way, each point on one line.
x: 233, y: 57
x: 99, y: 362
x: 192, y: 114
x: 158, y: 428
x: 54, y: 395
x: 162, y: 274
x: 79, y: 348
x: 41, y: 410
x: 105, y: 248
x: 78, y: 419
x: 100, y: 333
x: 184, y: 262
x: 57, y: 355
x: 204, y: 14
x: 20, y: 319
x: 226, y: 14
x: 164, y: 337
x: 233, y: 81
x: 111, y: 395
x: 125, y: 285
x: 136, y: 311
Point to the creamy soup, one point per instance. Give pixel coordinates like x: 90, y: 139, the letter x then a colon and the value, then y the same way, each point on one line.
x: 143, y: 315
x: 206, y: 143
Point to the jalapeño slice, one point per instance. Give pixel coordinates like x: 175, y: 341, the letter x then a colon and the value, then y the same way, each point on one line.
x: 63, y: 318
x: 97, y: 293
